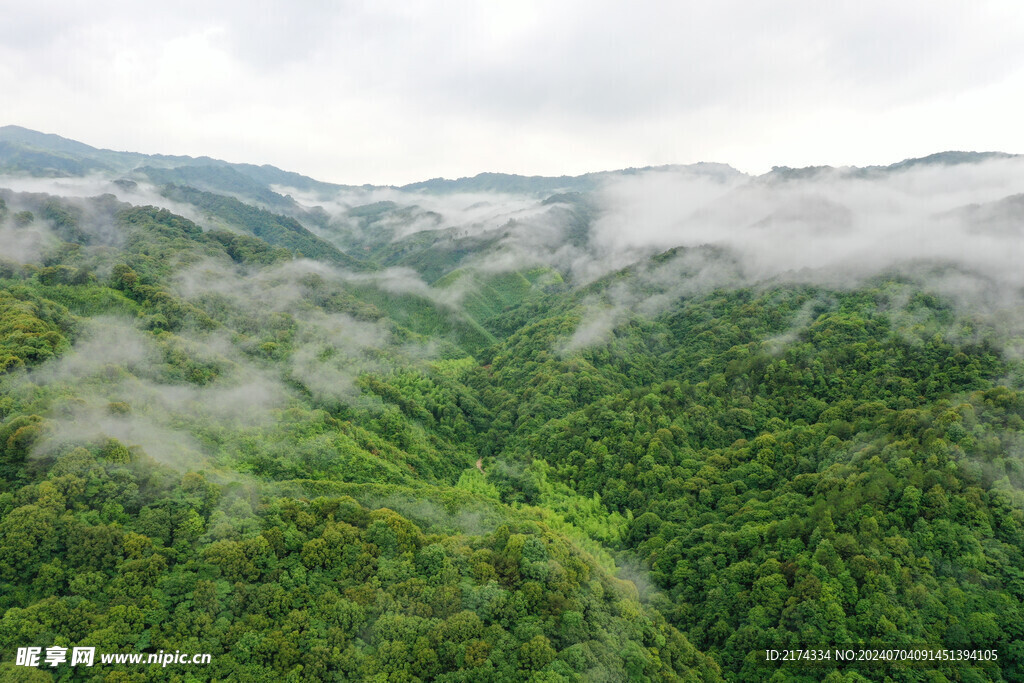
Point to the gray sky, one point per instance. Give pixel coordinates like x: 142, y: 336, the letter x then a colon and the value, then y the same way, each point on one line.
x: 393, y: 92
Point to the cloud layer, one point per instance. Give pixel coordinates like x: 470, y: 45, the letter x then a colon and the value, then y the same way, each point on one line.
x: 393, y: 92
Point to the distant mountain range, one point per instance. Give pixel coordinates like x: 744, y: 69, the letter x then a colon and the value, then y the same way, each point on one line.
x: 634, y: 425
x: 23, y: 150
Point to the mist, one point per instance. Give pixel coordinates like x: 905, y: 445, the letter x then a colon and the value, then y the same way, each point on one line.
x: 114, y: 382
x: 837, y: 220
x: 25, y: 243
x: 471, y: 212
x: 951, y: 222
x: 330, y: 348
x: 954, y: 229
x: 69, y: 189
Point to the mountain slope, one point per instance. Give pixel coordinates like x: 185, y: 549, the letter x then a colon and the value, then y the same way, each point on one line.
x: 641, y: 425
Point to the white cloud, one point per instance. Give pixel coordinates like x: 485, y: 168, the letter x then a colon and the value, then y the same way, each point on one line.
x: 394, y: 92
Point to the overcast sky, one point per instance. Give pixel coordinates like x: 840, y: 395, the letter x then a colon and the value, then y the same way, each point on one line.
x: 393, y: 92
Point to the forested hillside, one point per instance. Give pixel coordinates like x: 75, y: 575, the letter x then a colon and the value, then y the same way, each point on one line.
x: 490, y: 433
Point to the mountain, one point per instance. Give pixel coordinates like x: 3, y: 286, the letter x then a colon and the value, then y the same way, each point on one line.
x: 518, y: 184
x: 939, y: 159
x: 651, y: 424
x: 27, y: 151
x: 1004, y: 216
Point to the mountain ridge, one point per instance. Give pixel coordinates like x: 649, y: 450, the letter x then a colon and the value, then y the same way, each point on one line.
x: 14, y: 139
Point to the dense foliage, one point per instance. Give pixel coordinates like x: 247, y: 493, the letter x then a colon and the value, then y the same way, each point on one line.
x: 212, y: 444
x: 855, y: 484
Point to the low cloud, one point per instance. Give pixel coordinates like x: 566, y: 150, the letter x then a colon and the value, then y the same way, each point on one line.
x: 329, y: 348
x: 97, y: 223
x: 332, y: 350
x: 115, y: 382
x: 954, y: 228
x: 832, y: 219
x: 25, y: 243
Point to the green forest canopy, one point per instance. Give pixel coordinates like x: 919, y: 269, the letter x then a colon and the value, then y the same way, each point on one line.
x: 320, y: 478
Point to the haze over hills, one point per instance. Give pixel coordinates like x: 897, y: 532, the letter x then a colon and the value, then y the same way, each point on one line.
x: 28, y: 151
x: 574, y: 220
x: 640, y: 424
